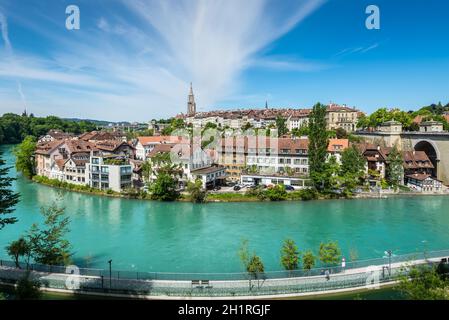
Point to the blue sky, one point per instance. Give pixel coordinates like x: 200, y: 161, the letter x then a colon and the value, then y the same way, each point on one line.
x: 134, y: 60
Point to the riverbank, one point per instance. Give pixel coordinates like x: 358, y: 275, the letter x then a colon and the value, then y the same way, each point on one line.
x: 214, y: 197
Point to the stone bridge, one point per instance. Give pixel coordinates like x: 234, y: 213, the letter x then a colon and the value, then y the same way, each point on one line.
x: 434, y: 144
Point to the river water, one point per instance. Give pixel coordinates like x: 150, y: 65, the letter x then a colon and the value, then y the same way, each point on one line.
x: 183, y: 237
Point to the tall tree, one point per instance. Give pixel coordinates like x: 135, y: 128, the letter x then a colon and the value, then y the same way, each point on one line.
x: 424, y: 283
x: 330, y: 253
x: 48, y: 244
x: 281, y: 126
x: 164, y: 188
x: 196, y: 191
x: 394, y: 167
x: 17, y: 249
x: 290, y: 255
x: 352, y: 169
x: 8, y: 199
x: 25, y: 156
x: 308, y: 260
x: 318, y: 141
x: 352, y: 161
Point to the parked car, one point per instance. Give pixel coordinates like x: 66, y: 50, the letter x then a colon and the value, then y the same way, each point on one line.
x: 289, y: 188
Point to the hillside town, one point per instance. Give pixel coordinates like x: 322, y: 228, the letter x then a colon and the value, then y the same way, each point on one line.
x: 108, y: 160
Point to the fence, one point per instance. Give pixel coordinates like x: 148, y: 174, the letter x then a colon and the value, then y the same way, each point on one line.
x: 219, y: 284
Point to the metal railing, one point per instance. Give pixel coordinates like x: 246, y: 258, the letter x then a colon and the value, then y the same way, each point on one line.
x: 218, y: 284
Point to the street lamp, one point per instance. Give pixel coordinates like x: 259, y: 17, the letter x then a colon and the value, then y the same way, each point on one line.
x: 389, y: 253
x: 110, y: 274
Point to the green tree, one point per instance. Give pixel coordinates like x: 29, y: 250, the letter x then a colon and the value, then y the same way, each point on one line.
x: 330, y: 253
x: 146, y: 171
x: 25, y: 156
x: 363, y: 122
x: 27, y: 289
x: 308, y: 260
x: 318, y: 141
x: 246, y: 126
x: 394, y: 170
x: 424, y: 283
x: 17, y: 249
x: 48, y: 245
x: 252, y: 263
x: 243, y: 253
x: 255, y: 266
x: 328, y: 180
x: 352, y: 169
x: 281, y: 125
x: 341, y: 133
x: 352, y: 161
x: 302, y: 131
x: 196, y: 191
x: 379, y: 116
x: 164, y: 188
x: 290, y: 255
x: 8, y: 199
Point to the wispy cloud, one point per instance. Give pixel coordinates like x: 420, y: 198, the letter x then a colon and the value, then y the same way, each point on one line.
x: 352, y: 50
x: 142, y: 57
x: 10, y: 54
x: 290, y: 64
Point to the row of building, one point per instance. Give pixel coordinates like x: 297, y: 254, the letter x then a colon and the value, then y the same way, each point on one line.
x: 336, y: 117
x: 105, y: 160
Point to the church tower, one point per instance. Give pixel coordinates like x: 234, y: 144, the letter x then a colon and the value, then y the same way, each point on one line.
x: 191, y: 104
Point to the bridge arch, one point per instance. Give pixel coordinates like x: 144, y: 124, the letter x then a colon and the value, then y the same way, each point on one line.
x: 431, y: 149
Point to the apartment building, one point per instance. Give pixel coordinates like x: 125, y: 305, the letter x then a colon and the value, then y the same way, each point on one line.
x: 298, y: 119
x: 192, y: 164
x: 144, y: 145
x: 109, y: 173
x: 341, y: 117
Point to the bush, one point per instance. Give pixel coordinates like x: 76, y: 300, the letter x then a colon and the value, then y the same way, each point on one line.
x: 257, y: 192
x: 309, y: 194
x: 276, y: 193
x: 27, y: 289
x: 196, y: 191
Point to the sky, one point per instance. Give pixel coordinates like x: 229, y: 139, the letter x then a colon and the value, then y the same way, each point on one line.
x: 134, y: 60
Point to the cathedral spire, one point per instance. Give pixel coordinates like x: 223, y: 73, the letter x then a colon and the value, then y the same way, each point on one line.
x: 191, y: 104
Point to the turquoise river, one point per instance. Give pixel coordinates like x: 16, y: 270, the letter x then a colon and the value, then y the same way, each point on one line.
x: 183, y: 237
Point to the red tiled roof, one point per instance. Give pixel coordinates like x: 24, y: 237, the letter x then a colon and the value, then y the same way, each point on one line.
x: 419, y: 176
x: 337, y: 145
x: 160, y: 139
x: 48, y: 147
x: 416, y: 160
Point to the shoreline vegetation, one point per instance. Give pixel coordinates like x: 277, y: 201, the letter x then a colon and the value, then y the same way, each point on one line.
x: 299, y: 195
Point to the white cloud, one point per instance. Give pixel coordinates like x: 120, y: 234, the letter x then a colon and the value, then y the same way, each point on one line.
x: 139, y: 67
